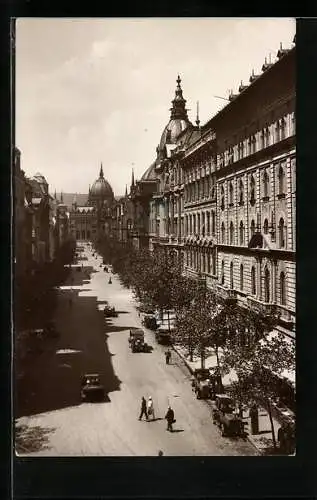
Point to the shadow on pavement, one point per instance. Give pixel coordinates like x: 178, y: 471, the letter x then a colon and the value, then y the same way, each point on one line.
x: 177, y: 430
x: 49, y: 380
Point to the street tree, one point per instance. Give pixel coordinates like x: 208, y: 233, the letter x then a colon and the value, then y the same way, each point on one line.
x: 255, y: 360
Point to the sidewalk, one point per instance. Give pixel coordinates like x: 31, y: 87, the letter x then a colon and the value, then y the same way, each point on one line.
x: 262, y: 441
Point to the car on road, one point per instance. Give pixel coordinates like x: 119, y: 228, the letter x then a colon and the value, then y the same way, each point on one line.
x: 110, y: 312
x: 163, y: 336
x: 91, y: 388
x: 136, y: 340
x: 225, y: 416
x: 149, y: 321
x: 201, y: 383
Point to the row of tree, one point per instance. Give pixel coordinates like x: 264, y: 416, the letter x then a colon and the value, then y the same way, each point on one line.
x: 205, y: 323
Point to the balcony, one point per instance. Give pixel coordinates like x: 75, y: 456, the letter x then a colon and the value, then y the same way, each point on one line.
x: 261, y: 307
x: 227, y: 293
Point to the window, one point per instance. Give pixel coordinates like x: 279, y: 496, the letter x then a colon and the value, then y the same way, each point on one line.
x: 194, y: 224
x: 230, y: 155
x: 241, y: 277
x: 208, y: 223
x: 262, y: 139
x: 282, y: 289
x: 223, y: 232
x: 265, y: 184
x: 281, y: 180
x: 213, y: 223
x: 267, y: 284
x: 266, y: 226
x: 277, y: 131
x: 83, y: 235
x: 252, y: 227
x: 281, y: 228
x: 241, y: 233
x: 77, y: 235
x: 230, y: 193
x: 266, y: 137
x: 208, y: 262
x: 231, y: 233
x: 252, y: 190
x: 213, y: 261
x: 222, y: 273
x: 222, y: 197
x: 198, y: 223
x: 231, y: 274
x: 241, y: 192
x: 203, y: 228
x: 253, y: 281
x: 282, y: 129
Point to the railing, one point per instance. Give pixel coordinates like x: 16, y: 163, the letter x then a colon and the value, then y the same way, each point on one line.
x: 261, y: 307
x: 226, y: 293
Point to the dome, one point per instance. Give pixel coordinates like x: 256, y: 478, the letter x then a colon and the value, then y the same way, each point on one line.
x: 178, y: 121
x: 172, y: 131
x: 101, y: 188
x: 149, y: 174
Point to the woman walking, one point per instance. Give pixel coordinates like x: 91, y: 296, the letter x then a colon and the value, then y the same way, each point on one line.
x: 150, y: 408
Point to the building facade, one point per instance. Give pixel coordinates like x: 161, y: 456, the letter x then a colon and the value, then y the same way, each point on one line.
x: 223, y: 195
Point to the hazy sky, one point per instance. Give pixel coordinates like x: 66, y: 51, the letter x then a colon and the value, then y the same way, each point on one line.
x: 92, y: 90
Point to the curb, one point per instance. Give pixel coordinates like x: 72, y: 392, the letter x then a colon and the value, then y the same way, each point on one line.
x: 192, y: 371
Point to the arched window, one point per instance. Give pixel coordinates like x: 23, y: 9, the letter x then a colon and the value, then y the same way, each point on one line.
x: 223, y: 232
x: 231, y: 233
x: 208, y: 262
x: 214, y: 262
x: 213, y: 222
x: 266, y: 226
x: 252, y: 227
x: 203, y: 258
x: 222, y: 273
x: 281, y: 180
x: 267, y: 284
x: 253, y: 281
x: 252, y: 190
x: 241, y: 192
x: 203, y: 228
x: 208, y: 223
x: 281, y: 229
x: 282, y: 289
x: 231, y: 274
x: 241, y: 277
x: 265, y: 184
x: 241, y: 233
x: 230, y: 193
x: 222, y: 198
x: 198, y: 223
x: 194, y: 224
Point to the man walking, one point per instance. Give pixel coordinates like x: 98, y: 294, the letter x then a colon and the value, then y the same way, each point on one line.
x: 143, y: 409
x: 170, y: 419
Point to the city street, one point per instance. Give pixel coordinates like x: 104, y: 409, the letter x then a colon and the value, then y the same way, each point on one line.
x: 90, y: 343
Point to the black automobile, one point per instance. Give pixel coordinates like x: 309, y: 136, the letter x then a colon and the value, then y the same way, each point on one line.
x: 91, y: 388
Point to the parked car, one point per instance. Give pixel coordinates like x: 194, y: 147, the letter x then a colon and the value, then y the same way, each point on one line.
x: 201, y: 383
x: 225, y: 416
x: 110, y: 312
x: 91, y: 388
x: 149, y: 321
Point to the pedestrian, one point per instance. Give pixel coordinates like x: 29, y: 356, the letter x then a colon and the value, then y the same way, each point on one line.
x: 168, y: 356
x: 150, y: 408
x: 170, y: 419
x: 143, y: 409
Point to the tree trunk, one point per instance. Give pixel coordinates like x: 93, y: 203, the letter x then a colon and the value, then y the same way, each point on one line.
x: 272, y: 424
x: 168, y: 320
x: 202, y: 358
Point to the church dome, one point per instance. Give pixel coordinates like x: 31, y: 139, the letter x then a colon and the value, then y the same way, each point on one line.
x: 149, y: 174
x: 178, y: 121
x: 101, y: 189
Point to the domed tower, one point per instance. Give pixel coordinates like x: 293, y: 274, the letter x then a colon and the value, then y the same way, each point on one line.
x: 178, y: 121
x: 101, y: 193
x: 101, y: 197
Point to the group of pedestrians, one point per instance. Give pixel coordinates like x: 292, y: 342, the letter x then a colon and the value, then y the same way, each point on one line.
x: 147, y: 409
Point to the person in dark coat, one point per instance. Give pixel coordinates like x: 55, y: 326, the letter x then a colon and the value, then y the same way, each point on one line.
x: 143, y: 409
x: 168, y: 356
x: 170, y: 419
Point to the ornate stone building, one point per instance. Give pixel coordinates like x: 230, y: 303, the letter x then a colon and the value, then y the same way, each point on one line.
x: 224, y: 194
x: 94, y: 219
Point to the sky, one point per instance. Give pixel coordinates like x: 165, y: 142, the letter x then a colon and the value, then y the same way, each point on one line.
x: 100, y: 90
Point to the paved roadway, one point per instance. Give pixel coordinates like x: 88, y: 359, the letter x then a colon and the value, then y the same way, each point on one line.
x: 112, y: 428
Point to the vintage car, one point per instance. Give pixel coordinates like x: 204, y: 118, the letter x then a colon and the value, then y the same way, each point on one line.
x: 201, y: 383
x: 146, y: 309
x: 224, y: 414
x: 136, y: 340
x: 149, y: 321
x: 216, y: 386
x: 91, y: 388
x: 110, y: 312
x: 163, y: 336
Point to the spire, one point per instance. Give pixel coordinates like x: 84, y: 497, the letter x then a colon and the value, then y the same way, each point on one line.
x: 126, y: 190
x: 132, y: 180
x: 178, y: 110
x: 101, y: 172
x: 55, y: 194
x: 197, y: 118
x: 62, y: 201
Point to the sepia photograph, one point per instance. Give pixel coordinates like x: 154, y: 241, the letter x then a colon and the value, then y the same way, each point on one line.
x: 154, y: 237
